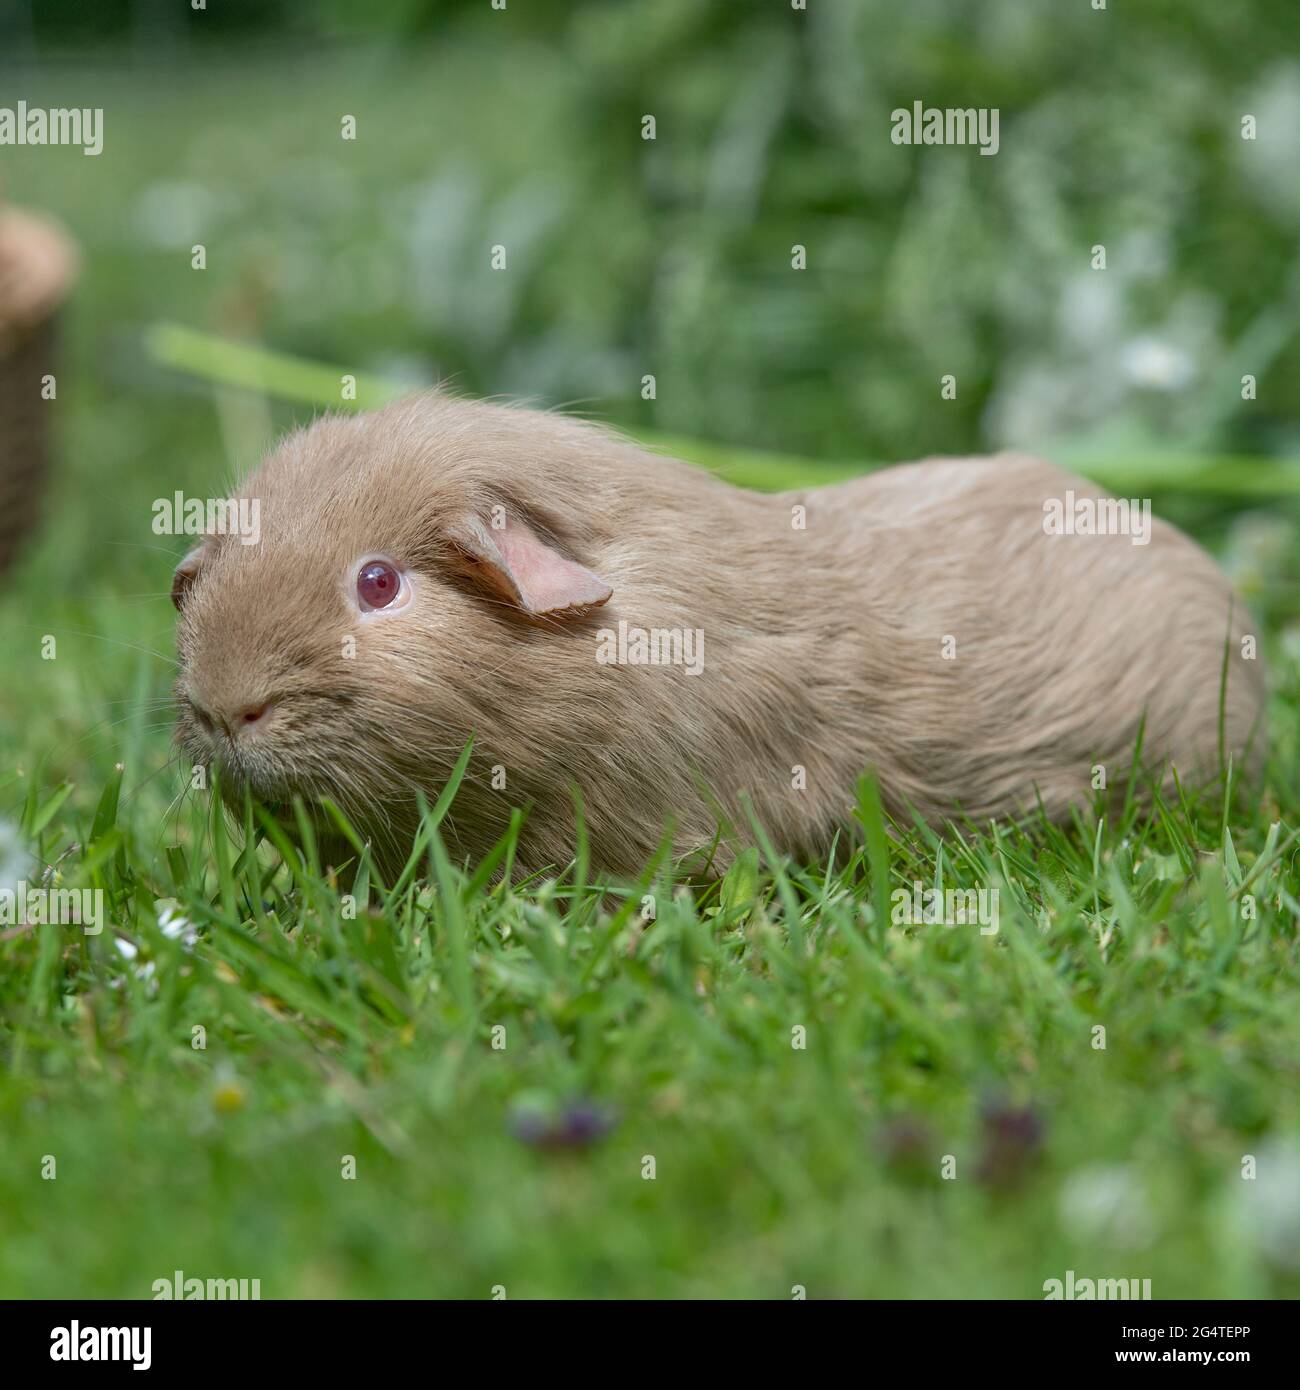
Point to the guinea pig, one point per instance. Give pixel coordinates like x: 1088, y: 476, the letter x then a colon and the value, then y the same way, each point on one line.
x: 625, y: 632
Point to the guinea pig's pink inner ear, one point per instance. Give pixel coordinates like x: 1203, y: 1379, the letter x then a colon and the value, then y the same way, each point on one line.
x: 514, y: 563
x: 185, y: 574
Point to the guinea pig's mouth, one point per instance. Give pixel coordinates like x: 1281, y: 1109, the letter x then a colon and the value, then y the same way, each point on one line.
x: 284, y: 795
x: 275, y: 798
x: 284, y: 812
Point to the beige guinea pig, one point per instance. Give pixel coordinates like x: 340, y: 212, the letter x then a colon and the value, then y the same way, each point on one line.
x: 602, y: 618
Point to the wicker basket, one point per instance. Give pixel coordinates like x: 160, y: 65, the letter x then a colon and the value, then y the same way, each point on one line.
x: 37, y: 268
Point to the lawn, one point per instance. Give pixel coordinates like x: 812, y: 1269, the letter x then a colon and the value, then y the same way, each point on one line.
x: 764, y: 1088
x: 752, y: 1088
x: 453, y: 1085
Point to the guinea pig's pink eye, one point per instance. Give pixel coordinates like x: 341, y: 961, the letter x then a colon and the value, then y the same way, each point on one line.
x: 378, y: 584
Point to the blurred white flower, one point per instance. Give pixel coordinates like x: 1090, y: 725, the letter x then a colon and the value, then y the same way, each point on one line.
x: 1157, y: 364
x: 129, y: 951
x: 1270, y: 159
x: 1107, y: 1202
x: 1143, y: 255
x: 1091, y: 309
x: 1036, y: 402
x: 1268, y: 1205
x: 1258, y: 544
x: 174, y: 215
x: 172, y: 925
x: 16, y: 862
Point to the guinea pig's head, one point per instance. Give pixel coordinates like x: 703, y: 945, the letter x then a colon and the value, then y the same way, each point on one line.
x: 354, y: 624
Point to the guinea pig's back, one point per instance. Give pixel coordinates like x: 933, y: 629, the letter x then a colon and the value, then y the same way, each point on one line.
x: 1026, y: 652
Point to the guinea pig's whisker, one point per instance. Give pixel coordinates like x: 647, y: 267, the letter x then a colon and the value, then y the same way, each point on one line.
x: 567, y: 408
x: 116, y: 642
x: 102, y: 727
x: 173, y: 760
x: 145, y: 545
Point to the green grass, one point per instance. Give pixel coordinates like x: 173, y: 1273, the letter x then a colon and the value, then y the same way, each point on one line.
x: 372, y: 1035
x: 330, y: 1034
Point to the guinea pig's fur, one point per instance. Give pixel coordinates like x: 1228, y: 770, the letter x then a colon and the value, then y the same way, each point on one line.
x: 919, y: 621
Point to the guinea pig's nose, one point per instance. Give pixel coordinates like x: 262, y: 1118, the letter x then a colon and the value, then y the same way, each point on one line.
x: 247, y: 717
x: 234, y: 720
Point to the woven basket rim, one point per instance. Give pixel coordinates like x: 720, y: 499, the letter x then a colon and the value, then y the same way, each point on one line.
x: 38, y: 267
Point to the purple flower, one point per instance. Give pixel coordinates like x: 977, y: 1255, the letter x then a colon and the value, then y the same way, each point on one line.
x: 908, y: 1146
x: 564, y: 1126
x: 1013, y: 1141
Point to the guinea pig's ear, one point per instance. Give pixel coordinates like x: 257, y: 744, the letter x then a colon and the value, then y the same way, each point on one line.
x: 514, y: 563
x: 185, y: 574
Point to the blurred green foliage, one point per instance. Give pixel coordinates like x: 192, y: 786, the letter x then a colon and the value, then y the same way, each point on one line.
x: 627, y: 257
x: 672, y: 257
